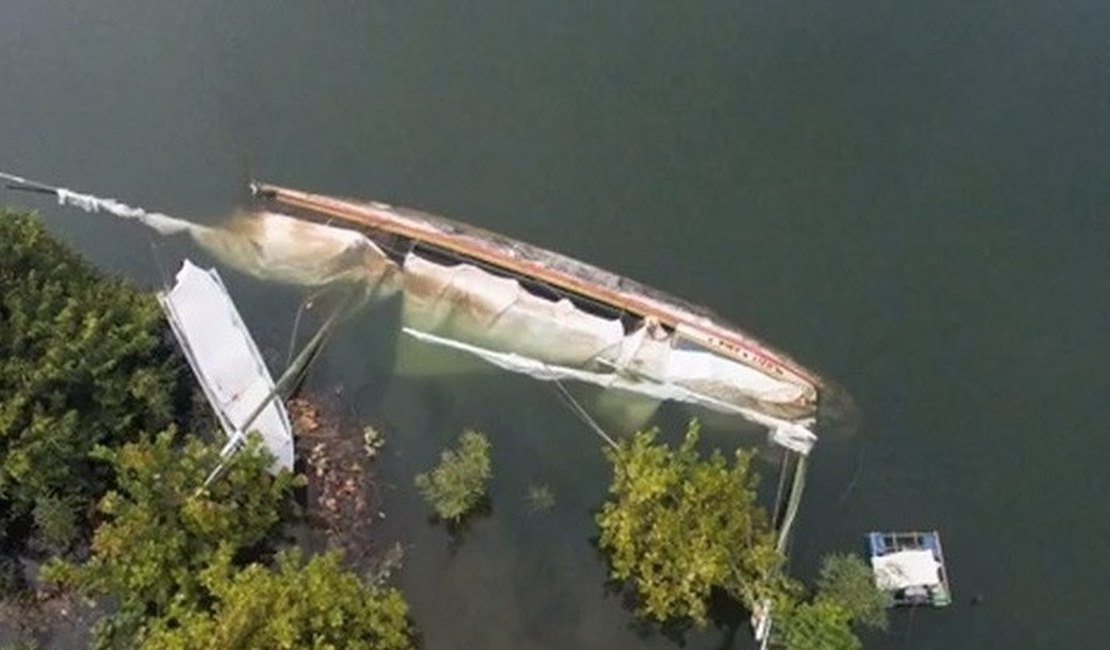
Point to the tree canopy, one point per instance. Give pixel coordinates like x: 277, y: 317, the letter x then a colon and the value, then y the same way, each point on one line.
x: 821, y: 624
x: 847, y: 580
x: 295, y: 605
x: 88, y: 377
x: 456, y: 486
x: 189, y: 568
x: 677, y: 526
x: 159, y: 532
x: 846, y: 595
x: 84, y: 361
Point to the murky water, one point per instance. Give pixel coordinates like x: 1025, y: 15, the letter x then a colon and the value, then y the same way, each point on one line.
x: 910, y: 197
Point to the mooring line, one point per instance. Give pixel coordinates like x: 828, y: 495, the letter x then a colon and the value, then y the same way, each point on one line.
x: 577, y: 409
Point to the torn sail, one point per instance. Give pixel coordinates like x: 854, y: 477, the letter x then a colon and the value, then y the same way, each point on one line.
x: 226, y: 360
x: 533, y: 311
x: 278, y: 248
x: 268, y: 246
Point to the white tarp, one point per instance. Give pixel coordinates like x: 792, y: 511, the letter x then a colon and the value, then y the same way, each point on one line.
x: 495, y: 318
x: 266, y: 245
x: 915, y: 568
x: 225, y: 359
x: 162, y: 223
x: 281, y: 248
x: 474, y: 306
x: 792, y: 435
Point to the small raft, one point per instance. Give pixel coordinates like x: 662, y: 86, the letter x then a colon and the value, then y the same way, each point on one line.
x: 909, y: 567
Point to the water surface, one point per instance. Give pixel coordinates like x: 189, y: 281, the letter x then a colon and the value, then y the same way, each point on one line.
x: 912, y: 197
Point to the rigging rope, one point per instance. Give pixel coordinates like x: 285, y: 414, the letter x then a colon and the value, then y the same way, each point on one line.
x: 852, y: 483
x: 292, y: 377
x: 577, y: 409
x: 782, y: 486
x: 795, y: 499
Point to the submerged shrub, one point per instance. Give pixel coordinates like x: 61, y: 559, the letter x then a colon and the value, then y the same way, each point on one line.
x: 540, y: 498
x: 678, y: 525
x: 817, y: 625
x: 456, y: 486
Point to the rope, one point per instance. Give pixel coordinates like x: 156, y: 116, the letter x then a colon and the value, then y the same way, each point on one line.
x: 852, y: 483
x: 20, y: 183
x: 305, y: 305
x: 782, y: 486
x: 796, y: 489
x: 577, y: 409
x: 289, y: 378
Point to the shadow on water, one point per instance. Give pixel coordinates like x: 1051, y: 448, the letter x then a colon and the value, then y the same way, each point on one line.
x: 726, y: 616
x: 458, y: 528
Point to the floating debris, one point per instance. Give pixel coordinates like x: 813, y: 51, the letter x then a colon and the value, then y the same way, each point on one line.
x: 372, y: 442
x: 342, y: 493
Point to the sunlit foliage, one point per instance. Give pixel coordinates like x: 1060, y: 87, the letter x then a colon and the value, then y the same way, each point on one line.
x: 821, y: 624
x: 160, y: 532
x: 456, y: 486
x: 295, y: 605
x: 677, y: 526
x: 846, y: 596
x: 847, y: 580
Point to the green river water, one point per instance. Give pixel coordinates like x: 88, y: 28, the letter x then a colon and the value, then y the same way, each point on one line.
x: 911, y: 197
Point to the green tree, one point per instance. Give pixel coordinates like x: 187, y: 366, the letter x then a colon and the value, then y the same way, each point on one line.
x: 847, y: 580
x: 160, y: 533
x: 676, y: 526
x: 846, y: 595
x: 295, y: 605
x: 56, y: 520
x: 456, y: 486
x: 84, y: 361
x: 818, y: 625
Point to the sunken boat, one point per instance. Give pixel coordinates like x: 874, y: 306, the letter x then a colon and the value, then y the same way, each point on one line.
x: 514, y: 305
x: 535, y: 311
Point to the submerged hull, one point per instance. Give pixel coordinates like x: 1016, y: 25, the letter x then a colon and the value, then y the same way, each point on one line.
x: 509, y: 303
x: 444, y: 258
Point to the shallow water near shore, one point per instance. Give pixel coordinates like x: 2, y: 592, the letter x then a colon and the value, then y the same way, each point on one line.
x: 911, y: 198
